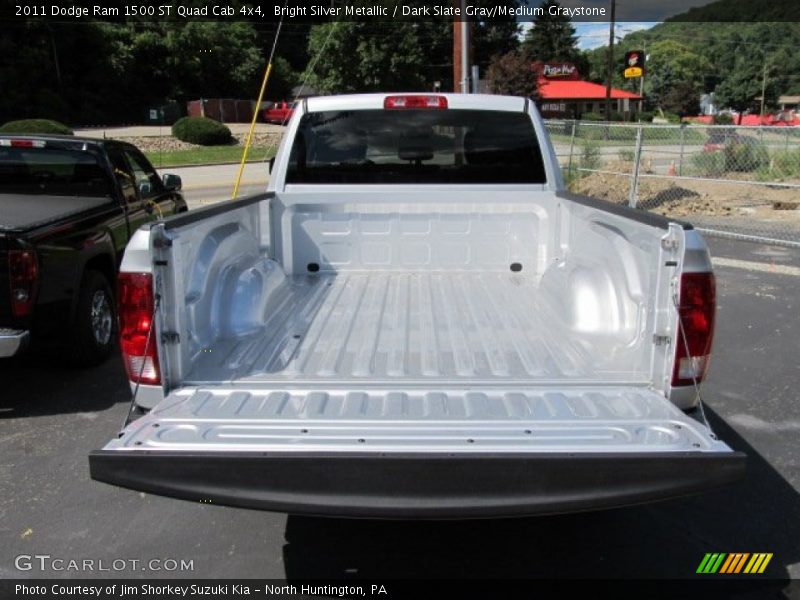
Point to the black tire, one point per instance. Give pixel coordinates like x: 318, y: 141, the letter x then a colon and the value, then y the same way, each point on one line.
x: 94, y: 327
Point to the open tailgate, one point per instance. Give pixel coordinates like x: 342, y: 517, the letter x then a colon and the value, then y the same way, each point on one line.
x: 417, y: 453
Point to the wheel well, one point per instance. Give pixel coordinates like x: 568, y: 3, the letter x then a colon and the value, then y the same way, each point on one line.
x: 104, y: 265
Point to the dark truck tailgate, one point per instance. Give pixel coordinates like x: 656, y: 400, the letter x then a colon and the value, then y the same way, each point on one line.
x: 5, y: 287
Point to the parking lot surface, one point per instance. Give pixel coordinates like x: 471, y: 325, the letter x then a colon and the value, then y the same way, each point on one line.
x: 51, y: 416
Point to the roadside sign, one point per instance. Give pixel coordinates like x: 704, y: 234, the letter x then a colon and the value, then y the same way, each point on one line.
x: 634, y: 64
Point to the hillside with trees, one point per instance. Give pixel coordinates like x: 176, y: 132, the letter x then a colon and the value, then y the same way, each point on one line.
x: 728, y: 58
x: 91, y: 73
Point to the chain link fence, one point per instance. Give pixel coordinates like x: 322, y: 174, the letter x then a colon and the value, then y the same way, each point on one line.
x: 731, y: 181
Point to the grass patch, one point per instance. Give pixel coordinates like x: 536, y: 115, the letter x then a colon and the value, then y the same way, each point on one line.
x: 617, y: 135
x: 207, y: 155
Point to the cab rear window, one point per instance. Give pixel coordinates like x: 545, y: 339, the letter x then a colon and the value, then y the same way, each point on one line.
x: 53, y: 171
x: 415, y: 146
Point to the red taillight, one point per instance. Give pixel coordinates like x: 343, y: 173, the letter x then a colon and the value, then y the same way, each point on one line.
x: 23, y: 271
x: 415, y: 102
x: 137, y: 335
x: 696, y: 313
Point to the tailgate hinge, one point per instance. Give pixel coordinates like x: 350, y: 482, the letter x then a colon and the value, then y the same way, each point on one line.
x: 170, y: 337
x: 669, y: 243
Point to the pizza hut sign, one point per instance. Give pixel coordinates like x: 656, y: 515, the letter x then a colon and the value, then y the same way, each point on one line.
x: 559, y: 71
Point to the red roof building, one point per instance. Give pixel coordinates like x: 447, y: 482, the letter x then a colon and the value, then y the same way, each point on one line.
x: 563, y: 94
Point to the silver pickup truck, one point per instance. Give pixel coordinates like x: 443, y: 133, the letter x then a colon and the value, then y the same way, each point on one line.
x: 417, y: 321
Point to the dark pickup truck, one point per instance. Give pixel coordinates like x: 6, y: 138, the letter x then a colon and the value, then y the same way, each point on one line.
x: 68, y: 207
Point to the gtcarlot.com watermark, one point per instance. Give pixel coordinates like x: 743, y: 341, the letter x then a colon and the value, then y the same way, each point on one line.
x: 47, y: 562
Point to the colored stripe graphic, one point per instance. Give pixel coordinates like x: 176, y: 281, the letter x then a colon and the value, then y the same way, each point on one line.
x: 765, y: 563
x: 732, y: 558
x: 758, y: 563
x: 733, y: 563
x: 740, y: 564
x: 711, y: 562
x: 716, y: 565
x: 703, y: 563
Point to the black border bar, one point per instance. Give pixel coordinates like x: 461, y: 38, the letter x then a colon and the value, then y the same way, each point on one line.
x: 418, y: 486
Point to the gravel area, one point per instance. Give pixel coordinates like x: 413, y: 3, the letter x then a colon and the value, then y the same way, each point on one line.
x: 169, y: 143
x: 687, y: 197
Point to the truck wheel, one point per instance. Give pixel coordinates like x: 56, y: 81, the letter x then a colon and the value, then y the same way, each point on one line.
x: 94, y: 320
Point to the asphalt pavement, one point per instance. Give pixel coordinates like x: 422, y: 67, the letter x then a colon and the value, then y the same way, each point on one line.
x: 51, y: 416
x: 214, y: 183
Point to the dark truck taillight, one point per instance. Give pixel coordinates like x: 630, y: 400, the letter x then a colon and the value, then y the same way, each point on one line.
x: 19, y: 143
x: 696, y: 308
x: 415, y: 101
x: 23, y: 271
x: 137, y: 336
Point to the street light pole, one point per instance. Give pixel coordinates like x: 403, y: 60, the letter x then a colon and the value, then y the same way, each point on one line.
x: 641, y: 79
x: 644, y: 71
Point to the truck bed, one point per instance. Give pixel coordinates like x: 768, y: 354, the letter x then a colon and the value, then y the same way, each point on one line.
x: 21, y: 212
x: 464, y: 343
x: 381, y: 327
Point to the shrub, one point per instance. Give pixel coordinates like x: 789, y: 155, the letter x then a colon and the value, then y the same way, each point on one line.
x: 745, y: 155
x: 510, y: 74
x: 202, y: 131
x: 708, y: 164
x: 590, y: 156
x: 785, y: 163
x: 722, y: 119
x: 36, y: 126
x: 646, y: 116
x: 594, y: 116
x: 571, y: 177
x: 626, y: 155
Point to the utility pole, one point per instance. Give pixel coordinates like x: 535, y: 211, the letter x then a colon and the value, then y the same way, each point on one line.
x: 465, y: 53
x: 610, y: 67
x: 461, y: 49
x: 764, y: 88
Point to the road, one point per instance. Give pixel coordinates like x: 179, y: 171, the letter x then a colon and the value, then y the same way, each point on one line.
x: 52, y: 416
x: 214, y: 183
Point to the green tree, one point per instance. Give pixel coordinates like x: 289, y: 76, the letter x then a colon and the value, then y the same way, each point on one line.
x: 682, y: 99
x: 379, y: 56
x: 675, y: 75
x: 742, y: 86
x: 282, y: 79
x: 552, y: 38
x: 30, y: 80
x: 511, y: 74
x: 494, y: 37
x: 214, y: 59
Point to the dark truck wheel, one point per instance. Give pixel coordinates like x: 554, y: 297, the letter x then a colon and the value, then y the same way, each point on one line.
x: 94, y: 320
